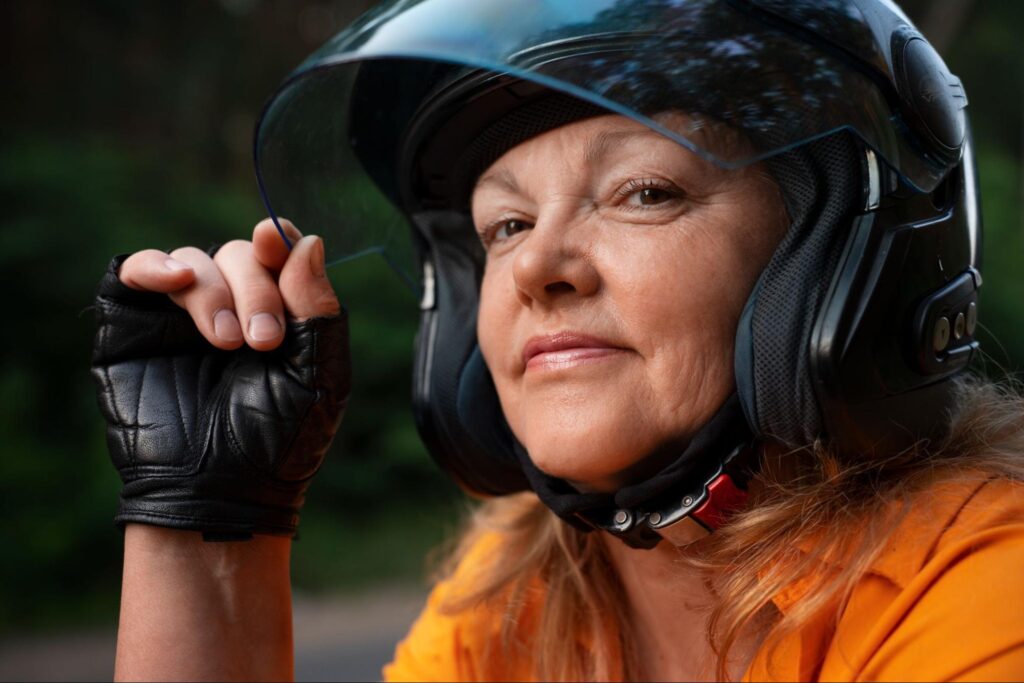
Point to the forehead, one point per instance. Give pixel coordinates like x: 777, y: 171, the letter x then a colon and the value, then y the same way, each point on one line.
x: 592, y: 139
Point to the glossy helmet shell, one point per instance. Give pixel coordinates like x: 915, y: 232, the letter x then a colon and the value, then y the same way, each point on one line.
x: 841, y: 342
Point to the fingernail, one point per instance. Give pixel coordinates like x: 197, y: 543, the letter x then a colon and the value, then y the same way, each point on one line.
x: 174, y: 264
x: 316, y: 258
x: 264, y: 327
x: 226, y: 326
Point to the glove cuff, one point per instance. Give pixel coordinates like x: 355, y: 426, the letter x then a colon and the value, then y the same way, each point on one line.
x: 214, y: 518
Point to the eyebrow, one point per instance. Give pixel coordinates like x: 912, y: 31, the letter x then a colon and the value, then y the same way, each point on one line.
x: 502, y: 177
x: 599, y: 145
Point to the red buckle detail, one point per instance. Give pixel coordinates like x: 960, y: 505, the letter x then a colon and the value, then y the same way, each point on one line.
x: 724, y: 498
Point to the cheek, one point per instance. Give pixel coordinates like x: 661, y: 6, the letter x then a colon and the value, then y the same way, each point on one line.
x: 497, y: 319
x: 489, y: 318
x: 683, y: 312
x: 496, y: 322
x: 688, y: 315
x: 688, y: 287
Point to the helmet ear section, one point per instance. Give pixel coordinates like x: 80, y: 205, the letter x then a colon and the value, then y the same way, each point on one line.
x: 900, y: 316
x: 868, y: 307
x: 480, y: 413
x: 455, y: 403
x: 743, y: 362
x: 821, y: 184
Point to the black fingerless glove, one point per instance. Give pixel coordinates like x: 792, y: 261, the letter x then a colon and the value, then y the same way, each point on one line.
x: 223, y: 442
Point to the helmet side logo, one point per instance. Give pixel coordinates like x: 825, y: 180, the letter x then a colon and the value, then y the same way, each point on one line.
x: 929, y: 89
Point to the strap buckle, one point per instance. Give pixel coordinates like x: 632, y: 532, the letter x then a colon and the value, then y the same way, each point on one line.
x: 681, y: 521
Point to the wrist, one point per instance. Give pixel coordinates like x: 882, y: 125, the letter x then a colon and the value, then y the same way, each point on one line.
x: 192, y: 608
x: 224, y: 558
x: 225, y: 579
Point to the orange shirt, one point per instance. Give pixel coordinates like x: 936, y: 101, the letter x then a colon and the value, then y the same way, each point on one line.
x: 944, y: 601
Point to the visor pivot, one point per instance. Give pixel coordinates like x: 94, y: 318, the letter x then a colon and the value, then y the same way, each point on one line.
x: 934, y: 97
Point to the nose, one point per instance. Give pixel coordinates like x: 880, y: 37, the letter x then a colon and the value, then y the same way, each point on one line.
x: 554, y: 262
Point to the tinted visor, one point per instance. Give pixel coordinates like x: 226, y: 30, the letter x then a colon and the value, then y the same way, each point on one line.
x: 335, y: 147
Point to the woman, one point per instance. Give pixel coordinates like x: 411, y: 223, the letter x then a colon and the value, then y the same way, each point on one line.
x: 710, y: 296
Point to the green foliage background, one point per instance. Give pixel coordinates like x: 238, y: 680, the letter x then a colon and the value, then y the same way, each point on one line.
x: 126, y: 125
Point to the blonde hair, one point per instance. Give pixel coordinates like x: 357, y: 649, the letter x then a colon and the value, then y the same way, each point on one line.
x: 794, y: 497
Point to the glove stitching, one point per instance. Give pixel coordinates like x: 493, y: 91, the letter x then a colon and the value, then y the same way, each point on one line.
x: 138, y: 407
x: 209, y: 419
x: 236, y: 446
x: 315, y: 366
x: 286, y: 486
x: 268, y: 390
x: 181, y: 409
x: 204, y: 419
x: 270, y: 477
x: 109, y: 389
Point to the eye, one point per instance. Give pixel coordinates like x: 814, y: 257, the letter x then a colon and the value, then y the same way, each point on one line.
x: 503, y: 229
x: 653, y: 195
x: 506, y: 228
x: 648, y: 192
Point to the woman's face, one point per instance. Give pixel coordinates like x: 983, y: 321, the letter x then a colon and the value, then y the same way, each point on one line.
x: 618, y: 264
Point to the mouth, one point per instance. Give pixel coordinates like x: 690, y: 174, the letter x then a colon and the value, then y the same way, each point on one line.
x: 566, y: 349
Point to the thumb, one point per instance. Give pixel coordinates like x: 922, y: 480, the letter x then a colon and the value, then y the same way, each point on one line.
x: 305, y: 289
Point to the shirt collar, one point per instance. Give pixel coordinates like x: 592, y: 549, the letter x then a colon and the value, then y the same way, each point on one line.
x: 918, y: 531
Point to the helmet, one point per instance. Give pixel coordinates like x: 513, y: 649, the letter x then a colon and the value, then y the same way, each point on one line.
x: 854, y: 330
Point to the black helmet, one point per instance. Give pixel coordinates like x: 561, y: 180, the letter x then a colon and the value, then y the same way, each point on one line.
x: 864, y: 313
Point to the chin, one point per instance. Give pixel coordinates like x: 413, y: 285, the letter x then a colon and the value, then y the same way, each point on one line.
x: 592, y: 457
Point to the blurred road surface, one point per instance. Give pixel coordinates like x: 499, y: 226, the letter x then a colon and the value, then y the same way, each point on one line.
x: 344, y: 638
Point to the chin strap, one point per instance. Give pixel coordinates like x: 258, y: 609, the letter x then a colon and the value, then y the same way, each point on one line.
x: 691, y: 514
x: 687, y: 500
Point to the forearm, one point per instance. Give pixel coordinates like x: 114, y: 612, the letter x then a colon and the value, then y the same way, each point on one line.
x: 193, y: 610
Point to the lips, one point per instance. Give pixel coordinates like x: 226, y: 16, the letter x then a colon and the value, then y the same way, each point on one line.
x: 565, y: 349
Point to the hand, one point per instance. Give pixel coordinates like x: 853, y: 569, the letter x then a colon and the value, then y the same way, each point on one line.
x: 217, y: 425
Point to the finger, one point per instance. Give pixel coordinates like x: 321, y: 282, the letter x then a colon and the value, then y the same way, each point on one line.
x: 152, y: 270
x: 209, y: 300
x: 270, y: 249
x: 305, y: 289
x: 257, y: 301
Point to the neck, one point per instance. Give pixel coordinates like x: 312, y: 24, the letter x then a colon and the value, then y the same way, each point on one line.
x: 669, y: 604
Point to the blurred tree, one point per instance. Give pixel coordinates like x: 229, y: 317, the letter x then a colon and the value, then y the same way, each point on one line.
x: 129, y: 125
x: 942, y: 21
